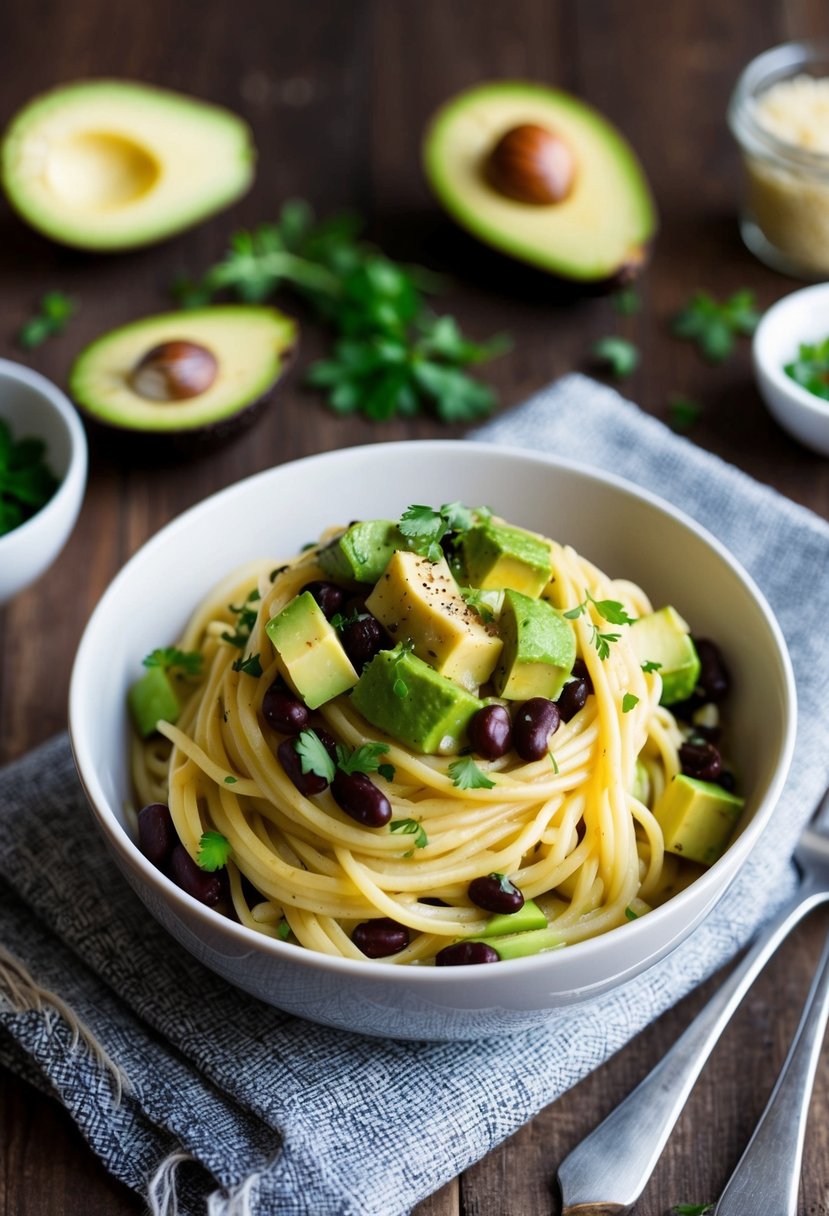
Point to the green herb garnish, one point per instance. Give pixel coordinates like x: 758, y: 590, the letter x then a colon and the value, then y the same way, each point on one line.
x: 425, y: 527
x: 627, y: 302
x: 313, y: 756
x: 630, y: 914
x: 619, y: 356
x: 283, y: 930
x: 683, y: 412
x: 246, y: 619
x: 466, y: 775
x: 214, y: 850
x: 811, y: 368
x: 611, y: 611
x: 251, y: 666
x: 692, y: 1209
x: 363, y: 759
x: 712, y: 326
x: 391, y: 356
x: 400, y: 688
x: 231, y: 780
x: 629, y: 702
x: 554, y: 763
x: 170, y: 657
x: 54, y: 311
x: 26, y: 481
x: 650, y: 665
x: 410, y: 827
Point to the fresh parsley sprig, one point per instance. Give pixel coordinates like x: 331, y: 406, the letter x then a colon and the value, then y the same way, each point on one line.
x: 251, y: 666
x: 466, y: 775
x: 426, y: 527
x: 26, y: 481
x: 214, y: 851
x: 618, y: 355
x: 315, y: 758
x: 54, y: 312
x: 811, y: 368
x: 391, y: 355
x: 713, y: 326
x: 611, y: 611
x: 313, y: 755
x: 245, y: 620
x: 410, y: 827
x: 170, y: 658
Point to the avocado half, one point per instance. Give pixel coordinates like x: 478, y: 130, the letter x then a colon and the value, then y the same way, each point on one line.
x: 111, y: 164
x: 599, y: 230
x: 251, y: 346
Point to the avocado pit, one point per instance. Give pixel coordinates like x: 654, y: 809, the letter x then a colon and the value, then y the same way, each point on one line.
x: 174, y: 371
x: 532, y: 164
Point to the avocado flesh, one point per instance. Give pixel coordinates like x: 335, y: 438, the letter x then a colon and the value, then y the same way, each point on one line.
x: 539, y: 649
x: 501, y: 556
x: 419, y: 599
x: 107, y: 164
x: 662, y: 637
x: 363, y: 551
x: 151, y: 700
x: 598, y: 230
x: 309, y: 653
x: 432, y: 714
x: 697, y: 818
x: 251, y: 344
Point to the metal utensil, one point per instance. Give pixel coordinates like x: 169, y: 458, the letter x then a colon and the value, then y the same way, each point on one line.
x: 768, y: 1174
x: 606, y: 1173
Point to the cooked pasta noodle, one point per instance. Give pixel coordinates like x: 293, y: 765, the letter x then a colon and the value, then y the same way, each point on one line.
x: 566, y: 829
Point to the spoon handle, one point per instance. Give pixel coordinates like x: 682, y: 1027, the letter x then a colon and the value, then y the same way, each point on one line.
x: 767, y: 1176
x: 609, y: 1169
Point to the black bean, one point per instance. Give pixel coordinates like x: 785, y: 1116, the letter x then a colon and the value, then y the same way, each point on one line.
x: 329, y: 596
x: 532, y: 726
x: 686, y: 709
x: 572, y: 698
x: 495, y: 893
x: 708, y: 734
x: 464, y: 954
x: 284, y: 711
x: 156, y: 835
x: 359, y: 797
x: 714, y: 679
x: 581, y: 673
x: 490, y: 732
x: 307, y: 783
x: 363, y: 639
x: 380, y: 938
x: 203, y: 885
x: 700, y: 760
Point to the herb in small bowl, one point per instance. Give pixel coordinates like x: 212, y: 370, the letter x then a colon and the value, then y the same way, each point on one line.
x: 811, y: 368
x: 26, y: 480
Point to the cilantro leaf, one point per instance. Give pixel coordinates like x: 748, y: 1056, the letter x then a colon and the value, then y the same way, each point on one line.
x: 410, y: 827
x: 619, y: 356
x: 466, y: 775
x: 313, y: 755
x: 251, y: 666
x: 811, y: 368
x: 363, y: 759
x: 214, y: 851
x: 650, y: 665
x: 713, y: 326
x: 692, y: 1209
x: 170, y: 657
x: 629, y: 702
x: 54, y: 311
x: 611, y: 611
x: 26, y: 481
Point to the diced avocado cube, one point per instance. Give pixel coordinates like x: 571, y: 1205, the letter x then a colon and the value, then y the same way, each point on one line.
x: 663, y: 637
x: 499, y: 555
x: 419, y: 599
x: 520, y: 945
x: 539, y: 649
x: 362, y: 552
x: 697, y: 818
x: 528, y: 917
x: 151, y: 700
x: 413, y: 703
x: 309, y: 652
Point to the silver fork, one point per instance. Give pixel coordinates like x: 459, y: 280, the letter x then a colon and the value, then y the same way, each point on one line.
x: 606, y: 1173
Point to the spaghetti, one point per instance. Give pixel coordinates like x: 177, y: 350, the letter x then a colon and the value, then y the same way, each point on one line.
x: 573, y: 831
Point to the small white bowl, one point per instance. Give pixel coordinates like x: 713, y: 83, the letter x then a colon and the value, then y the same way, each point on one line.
x: 34, y: 407
x: 800, y: 317
x: 626, y: 531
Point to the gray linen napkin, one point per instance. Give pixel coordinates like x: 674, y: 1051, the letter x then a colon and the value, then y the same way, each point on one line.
x: 254, y: 1111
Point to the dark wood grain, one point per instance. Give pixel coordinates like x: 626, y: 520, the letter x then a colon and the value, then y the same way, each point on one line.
x: 338, y: 94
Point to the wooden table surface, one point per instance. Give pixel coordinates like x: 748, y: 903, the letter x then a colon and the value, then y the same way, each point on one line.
x: 338, y: 93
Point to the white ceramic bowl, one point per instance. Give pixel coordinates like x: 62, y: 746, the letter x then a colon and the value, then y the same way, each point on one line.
x: 33, y: 406
x: 626, y: 531
x: 800, y: 317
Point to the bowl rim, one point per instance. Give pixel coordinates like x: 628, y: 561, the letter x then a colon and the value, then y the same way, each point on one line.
x: 800, y: 300
x: 187, y: 908
x: 74, y: 479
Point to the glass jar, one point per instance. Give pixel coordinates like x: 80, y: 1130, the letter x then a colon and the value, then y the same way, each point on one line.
x: 785, y: 217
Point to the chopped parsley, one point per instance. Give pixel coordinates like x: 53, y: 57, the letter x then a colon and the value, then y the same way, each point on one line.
x: 170, y: 657
x: 364, y: 759
x: 54, y: 311
x: 692, y: 1209
x: 650, y: 665
x: 466, y: 775
x: 811, y: 368
x: 26, y: 481
x: 231, y: 780
x: 283, y: 930
x: 246, y: 619
x: 400, y: 688
x: 713, y: 327
x: 251, y: 666
x: 683, y: 412
x: 214, y: 850
x: 630, y: 914
x: 619, y: 356
x: 629, y: 701
x: 426, y: 527
x: 611, y: 611
x: 410, y: 827
x: 313, y: 755
x: 627, y: 302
